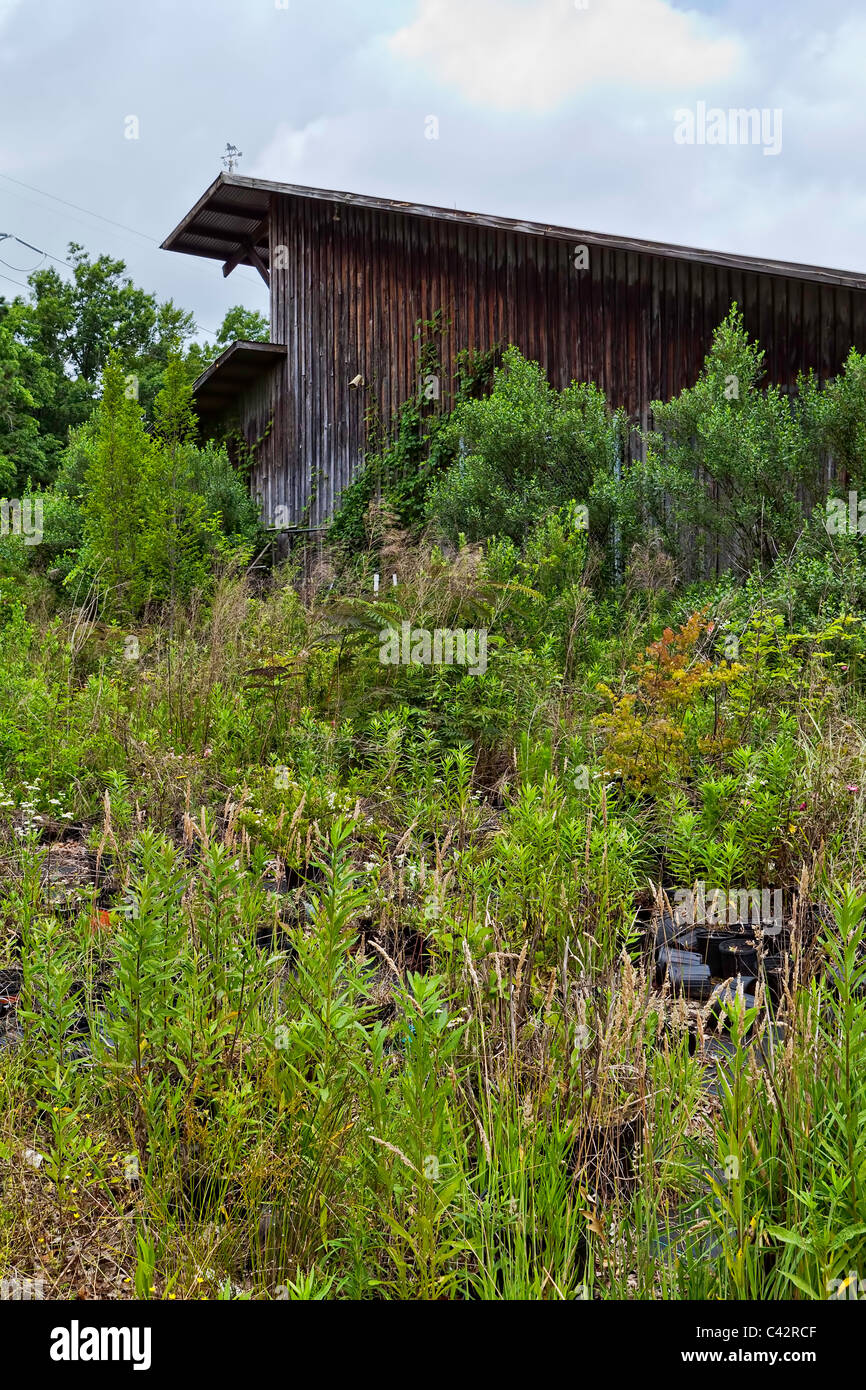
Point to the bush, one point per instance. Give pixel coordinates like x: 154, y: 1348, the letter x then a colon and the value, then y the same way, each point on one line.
x: 157, y: 510
x: 522, y: 450
x: 729, y: 458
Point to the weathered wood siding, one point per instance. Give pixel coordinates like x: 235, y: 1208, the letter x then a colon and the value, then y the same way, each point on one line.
x: 357, y: 280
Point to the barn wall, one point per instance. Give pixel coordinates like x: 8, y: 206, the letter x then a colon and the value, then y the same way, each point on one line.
x: 358, y: 280
x: 256, y: 417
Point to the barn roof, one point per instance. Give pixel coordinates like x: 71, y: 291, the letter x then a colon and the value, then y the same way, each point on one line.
x: 229, y: 223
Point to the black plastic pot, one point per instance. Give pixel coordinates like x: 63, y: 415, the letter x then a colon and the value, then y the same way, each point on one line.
x: 692, y: 980
x: 727, y: 992
x: 685, y: 972
x: 774, y: 974
x: 708, y: 943
x: 738, y: 956
x: 670, y: 932
x: 672, y: 956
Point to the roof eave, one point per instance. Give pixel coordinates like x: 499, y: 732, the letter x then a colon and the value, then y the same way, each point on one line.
x: 666, y: 250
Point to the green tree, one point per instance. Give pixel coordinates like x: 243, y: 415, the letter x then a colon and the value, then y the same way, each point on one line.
x: 177, y: 532
x: 157, y: 511
x: 117, y: 493
x: 22, y: 384
x: 728, y: 458
x: 72, y: 324
x: 242, y: 325
x: 844, y: 422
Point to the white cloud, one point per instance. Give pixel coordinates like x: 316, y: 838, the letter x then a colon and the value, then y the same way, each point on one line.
x: 513, y: 56
x: 7, y: 7
x: 291, y: 154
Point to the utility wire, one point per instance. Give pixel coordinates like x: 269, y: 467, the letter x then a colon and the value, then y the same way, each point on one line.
x: 145, y: 236
x: 110, y: 220
x: 22, y: 270
x: 10, y: 236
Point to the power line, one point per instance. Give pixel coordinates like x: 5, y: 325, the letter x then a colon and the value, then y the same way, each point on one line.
x: 145, y: 236
x: 10, y: 236
x: 14, y: 282
x: 78, y: 208
x: 88, y: 212
x: 22, y: 270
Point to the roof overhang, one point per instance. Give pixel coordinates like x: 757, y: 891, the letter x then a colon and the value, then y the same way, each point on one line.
x: 232, y: 373
x: 229, y: 223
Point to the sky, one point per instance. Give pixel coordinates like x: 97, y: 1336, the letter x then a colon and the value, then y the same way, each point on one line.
x: 602, y: 115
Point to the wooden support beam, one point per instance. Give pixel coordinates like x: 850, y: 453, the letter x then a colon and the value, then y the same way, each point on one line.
x: 260, y: 265
x: 248, y: 249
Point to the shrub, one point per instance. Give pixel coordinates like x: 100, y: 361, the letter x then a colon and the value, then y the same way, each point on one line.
x: 157, y: 510
x: 647, y: 729
x: 729, y: 458
x: 522, y: 450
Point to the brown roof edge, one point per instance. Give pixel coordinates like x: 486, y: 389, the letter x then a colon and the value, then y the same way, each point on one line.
x: 208, y: 209
x: 241, y: 363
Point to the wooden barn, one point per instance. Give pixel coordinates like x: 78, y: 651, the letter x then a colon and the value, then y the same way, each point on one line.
x: 350, y: 277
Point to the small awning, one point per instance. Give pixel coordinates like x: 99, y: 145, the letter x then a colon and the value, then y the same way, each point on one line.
x: 232, y: 373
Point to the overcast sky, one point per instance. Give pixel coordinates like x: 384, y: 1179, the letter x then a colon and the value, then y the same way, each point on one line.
x: 558, y: 110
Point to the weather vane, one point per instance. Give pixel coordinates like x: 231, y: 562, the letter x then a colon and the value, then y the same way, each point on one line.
x: 231, y: 157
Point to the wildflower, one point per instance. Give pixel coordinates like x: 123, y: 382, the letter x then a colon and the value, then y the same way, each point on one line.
x: 852, y: 787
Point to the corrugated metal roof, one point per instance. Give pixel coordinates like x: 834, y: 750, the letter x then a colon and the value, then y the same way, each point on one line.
x: 231, y: 214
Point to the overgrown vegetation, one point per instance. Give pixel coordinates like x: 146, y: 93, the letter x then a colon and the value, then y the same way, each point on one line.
x: 320, y: 975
